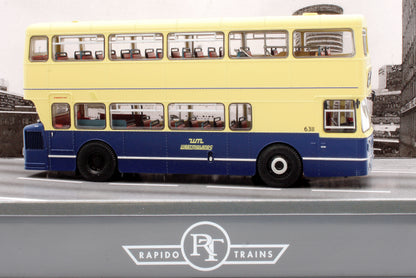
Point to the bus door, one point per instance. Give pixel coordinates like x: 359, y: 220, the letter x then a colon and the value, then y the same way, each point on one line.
x: 197, y: 153
x: 61, y: 151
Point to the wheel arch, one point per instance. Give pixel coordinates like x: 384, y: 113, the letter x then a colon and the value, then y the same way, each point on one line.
x: 86, y: 143
x: 276, y: 144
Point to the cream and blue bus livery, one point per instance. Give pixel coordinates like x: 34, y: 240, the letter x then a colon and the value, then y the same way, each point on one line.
x: 275, y: 97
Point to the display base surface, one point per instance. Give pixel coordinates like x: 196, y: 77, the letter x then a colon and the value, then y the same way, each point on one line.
x: 215, y: 239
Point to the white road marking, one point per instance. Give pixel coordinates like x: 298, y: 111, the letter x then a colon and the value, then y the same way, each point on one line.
x: 243, y: 188
x: 392, y: 172
x: 147, y: 184
x: 351, y: 191
x: 14, y: 199
x: 49, y: 180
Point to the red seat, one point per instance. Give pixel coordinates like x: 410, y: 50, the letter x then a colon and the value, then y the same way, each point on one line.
x: 61, y: 56
x: 198, y: 53
x: 39, y: 58
x: 99, y: 55
x: 175, y: 53
x: 113, y: 54
x: 125, y: 54
x: 150, y: 54
x: 159, y: 53
x: 212, y: 53
x: 186, y: 53
x: 135, y: 54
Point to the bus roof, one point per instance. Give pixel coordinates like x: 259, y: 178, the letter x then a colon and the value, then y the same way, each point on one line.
x: 171, y: 25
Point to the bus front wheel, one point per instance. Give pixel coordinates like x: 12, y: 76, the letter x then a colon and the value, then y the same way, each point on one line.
x: 96, y: 161
x: 279, y: 166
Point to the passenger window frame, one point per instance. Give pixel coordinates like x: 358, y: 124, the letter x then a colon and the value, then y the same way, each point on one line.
x: 254, y: 32
x: 338, y: 127
x: 191, y: 122
x: 143, y: 54
x: 31, y: 46
x: 237, y: 118
x: 135, y: 126
x: 80, y: 49
x: 54, y: 118
x: 318, y: 53
x: 192, y: 51
x: 89, y: 127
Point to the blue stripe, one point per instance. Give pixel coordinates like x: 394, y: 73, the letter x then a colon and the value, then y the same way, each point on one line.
x: 222, y: 153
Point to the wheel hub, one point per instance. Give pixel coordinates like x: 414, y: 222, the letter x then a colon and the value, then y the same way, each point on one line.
x: 279, y: 165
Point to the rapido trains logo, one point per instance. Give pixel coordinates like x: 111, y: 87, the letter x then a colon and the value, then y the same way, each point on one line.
x: 205, y: 246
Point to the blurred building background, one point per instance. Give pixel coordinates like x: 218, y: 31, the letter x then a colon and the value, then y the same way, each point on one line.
x: 386, y: 111
x: 408, y: 97
x: 15, y: 114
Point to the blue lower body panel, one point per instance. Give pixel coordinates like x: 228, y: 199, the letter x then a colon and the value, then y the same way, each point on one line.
x: 219, y: 153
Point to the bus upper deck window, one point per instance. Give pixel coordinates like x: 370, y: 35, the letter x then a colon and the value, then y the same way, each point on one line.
x: 78, y: 48
x: 323, y: 43
x: 38, y: 49
x: 127, y: 47
x: 258, y: 44
x: 196, y: 45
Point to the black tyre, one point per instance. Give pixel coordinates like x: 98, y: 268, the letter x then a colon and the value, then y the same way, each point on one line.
x: 96, y: 161
x: 279, y: 166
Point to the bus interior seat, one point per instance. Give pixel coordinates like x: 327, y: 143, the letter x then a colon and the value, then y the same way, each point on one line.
x: 59, y: 56
x: 186, y: 52
x: 99, y: 55
x: 83, y: 55
x: 218, y: 122
x: 198, y: 52
x: 113, y: 54
x: 150, y: 53
x: 159, y: 53
x: 193, y: 122
x: 175, y: 53
x: 212, y: 53
x: 146, y: 121
x: 243, y: 123
x: 125, y: 54
x: 135, y: 54
x: 178, y: 124
x: 206, y: 125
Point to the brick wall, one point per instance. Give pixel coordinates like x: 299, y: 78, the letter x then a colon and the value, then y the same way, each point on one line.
x: 15, y: 114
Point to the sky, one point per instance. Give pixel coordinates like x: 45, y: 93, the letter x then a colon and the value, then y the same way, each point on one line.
x: 384, y: 19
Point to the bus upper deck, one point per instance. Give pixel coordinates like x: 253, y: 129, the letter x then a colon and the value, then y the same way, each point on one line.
x: 260, y: 53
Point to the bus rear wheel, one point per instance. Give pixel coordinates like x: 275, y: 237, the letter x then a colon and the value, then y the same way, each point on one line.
x: 96, y: 161
x: 279, y: 166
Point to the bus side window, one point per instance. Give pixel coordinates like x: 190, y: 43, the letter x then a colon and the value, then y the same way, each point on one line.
x: 78, y: 47
x: 61, y: 118
x: 38, y: 51
x: 339, y: 116
x: 140, y: 46
x: 201, y: 116
x: 90, y: 115
x: 136, y: 116
x: 323, y: 43
x: 258, y: 44
x: 195, y: 45
x: 240, y: 116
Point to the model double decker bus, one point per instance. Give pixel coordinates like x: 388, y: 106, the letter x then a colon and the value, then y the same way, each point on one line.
x: 276, y: 97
